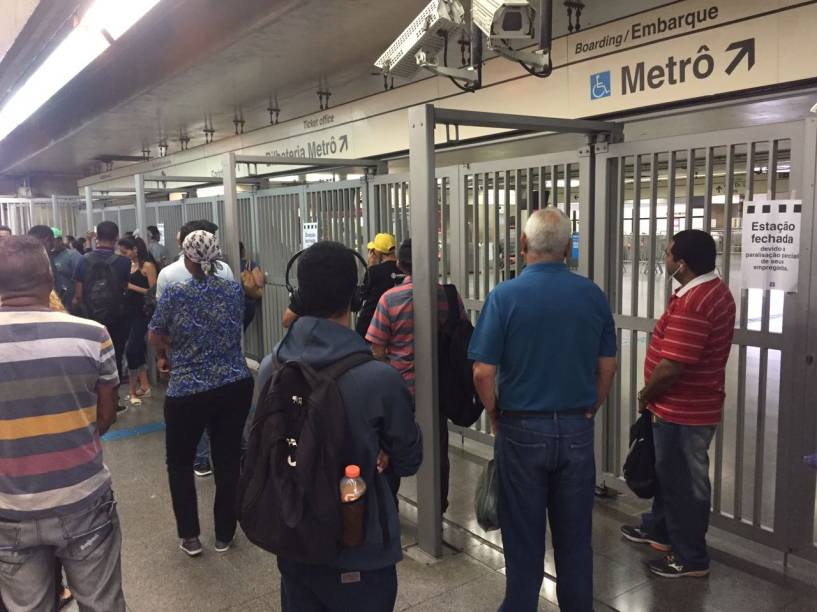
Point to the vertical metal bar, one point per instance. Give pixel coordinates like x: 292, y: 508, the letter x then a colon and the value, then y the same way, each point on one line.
x: 690, y: 186
x: 229, y: 232
x: 671, y: 178
x: 729, y: 213
x: 587, y: 207
x: 651, y: 239
x: 506, y: 251
x: 743, y: 316
x: 708, y: 190
x: 496, y: 226
x: 424, y: 275
x: 54, y: 216
x: 89, y: 210
x: 635, y: 250
x: 486, y: 232
x: 141, y: 214
x: 475, y: 243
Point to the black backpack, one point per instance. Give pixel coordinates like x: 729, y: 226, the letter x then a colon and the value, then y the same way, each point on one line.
x: 288, y: 494
x: 103, y: 294
x: 458, y: 398
x: 639, y: 467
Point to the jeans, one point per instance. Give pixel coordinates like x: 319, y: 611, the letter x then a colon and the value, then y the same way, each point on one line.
x: 222, y: 411
x: 136, y: 347
x: 321, y: 588
x: 445, y: 467
x: 546, y: 469
x: 680, y: 509
x: 88, y: 544
x: 118, y: 332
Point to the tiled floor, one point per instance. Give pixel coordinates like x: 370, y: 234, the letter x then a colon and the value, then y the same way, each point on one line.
x: 158, y: 577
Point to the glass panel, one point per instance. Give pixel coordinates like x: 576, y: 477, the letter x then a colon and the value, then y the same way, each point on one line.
x: 628, y: 265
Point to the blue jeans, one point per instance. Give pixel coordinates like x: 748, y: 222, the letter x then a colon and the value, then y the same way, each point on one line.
x: 680, y: 509
x: 321, y: 588
x: 546, y: 469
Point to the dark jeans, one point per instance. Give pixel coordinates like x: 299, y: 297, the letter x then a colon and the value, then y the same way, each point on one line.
x: 445, y: 467
x: 136, y: 347
x: 320, y: 588
x: 222, y: 411
x: 203, y: 447
x: 546, y: 469
x: 118, y: 332
x: 680, y: 509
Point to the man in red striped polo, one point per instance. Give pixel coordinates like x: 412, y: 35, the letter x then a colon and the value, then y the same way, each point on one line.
x: 684, y: 373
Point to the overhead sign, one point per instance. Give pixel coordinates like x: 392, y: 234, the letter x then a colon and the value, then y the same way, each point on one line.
x: 684, y: 50
x: 771, y: 245
x: 310, y: 235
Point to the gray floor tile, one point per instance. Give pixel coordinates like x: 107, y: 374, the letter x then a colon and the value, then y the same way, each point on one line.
x: 482, y: 595
x: 418, y: 582
x: 803, y: 604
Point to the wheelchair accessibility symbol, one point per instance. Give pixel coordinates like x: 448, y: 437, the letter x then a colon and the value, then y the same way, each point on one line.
x: 600, y: 85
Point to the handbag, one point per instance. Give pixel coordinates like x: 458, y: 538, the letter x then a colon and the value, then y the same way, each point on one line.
x: 487, y: 498
x: 639, y: 467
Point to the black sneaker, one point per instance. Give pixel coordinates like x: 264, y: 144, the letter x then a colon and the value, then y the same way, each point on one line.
x: 223, y: 546
x: 191, y: 546
x: 638, y: 535
x: 203, y: 471
x: 671, y: 567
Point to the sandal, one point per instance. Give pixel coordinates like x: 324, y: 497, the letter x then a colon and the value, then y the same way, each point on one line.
x: 143, y: 392
x: 135, y: 401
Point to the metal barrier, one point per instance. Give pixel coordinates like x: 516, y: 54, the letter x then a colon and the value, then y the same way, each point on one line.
x: 659, y: 188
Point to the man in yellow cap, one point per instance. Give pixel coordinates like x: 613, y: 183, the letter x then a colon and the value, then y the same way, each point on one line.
x: 382, y: 275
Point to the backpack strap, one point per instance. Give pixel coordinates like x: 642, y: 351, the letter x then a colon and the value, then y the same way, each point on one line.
x: 453, y: 305
x: 341, y: 366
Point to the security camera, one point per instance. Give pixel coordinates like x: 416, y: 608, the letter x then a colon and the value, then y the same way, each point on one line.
x: 418, y: 45
x: 504, y: 19
x: 514, y: 23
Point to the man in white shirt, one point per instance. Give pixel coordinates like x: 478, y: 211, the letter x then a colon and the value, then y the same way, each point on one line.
x: 176, y: 272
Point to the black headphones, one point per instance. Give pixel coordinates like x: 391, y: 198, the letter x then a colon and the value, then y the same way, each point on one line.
x: 296, y: 304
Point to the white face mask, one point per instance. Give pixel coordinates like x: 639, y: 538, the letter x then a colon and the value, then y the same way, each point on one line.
x: 673, y: 277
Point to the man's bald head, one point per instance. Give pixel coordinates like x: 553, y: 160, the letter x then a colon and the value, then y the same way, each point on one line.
x: 25, y: 269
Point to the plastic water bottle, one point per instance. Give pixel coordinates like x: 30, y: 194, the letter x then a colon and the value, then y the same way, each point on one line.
x: 353, y: 507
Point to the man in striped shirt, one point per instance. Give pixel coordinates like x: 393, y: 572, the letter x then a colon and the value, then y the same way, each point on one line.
x: 58, y: 384
x: 685, y: 372
x: 391, y: 334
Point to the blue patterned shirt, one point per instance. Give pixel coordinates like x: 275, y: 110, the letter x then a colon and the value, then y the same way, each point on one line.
x: 203, y: 319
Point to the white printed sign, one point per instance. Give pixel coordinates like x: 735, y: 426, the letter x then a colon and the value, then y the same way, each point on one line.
x: 310, y: 235
x: 771, y: 244
x: 161, y: 228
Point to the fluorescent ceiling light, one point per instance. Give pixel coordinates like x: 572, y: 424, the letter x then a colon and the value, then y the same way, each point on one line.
x: 82, y: 46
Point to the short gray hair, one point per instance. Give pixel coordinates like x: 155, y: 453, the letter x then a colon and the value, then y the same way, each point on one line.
x: 548, y: 231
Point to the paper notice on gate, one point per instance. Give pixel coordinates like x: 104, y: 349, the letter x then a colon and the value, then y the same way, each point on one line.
x: 310, y: 234
x: 771, y: 244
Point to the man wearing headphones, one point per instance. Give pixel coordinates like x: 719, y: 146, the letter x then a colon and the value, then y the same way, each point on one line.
x: 380, y: 416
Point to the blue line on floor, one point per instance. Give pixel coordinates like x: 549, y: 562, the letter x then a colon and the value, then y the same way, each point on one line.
x: 121, y: 434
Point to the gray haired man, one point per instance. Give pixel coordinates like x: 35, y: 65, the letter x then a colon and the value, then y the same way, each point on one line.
x: 549, y: 335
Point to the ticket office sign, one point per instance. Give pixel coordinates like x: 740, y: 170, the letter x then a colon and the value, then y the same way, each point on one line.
x: 771, y: 244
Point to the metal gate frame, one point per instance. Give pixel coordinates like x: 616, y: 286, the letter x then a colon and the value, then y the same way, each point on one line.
x: 794, y: 493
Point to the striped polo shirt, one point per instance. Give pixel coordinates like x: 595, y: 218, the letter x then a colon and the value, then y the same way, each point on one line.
x: 51, y: 364
x: 393, y: 326
x: 696, y: 330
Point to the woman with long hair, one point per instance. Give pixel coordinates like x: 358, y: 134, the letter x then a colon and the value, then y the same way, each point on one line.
x: 142, y: 279
x: 210, y: 386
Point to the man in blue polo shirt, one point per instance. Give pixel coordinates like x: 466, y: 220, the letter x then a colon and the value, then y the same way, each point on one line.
x: 550, y: 336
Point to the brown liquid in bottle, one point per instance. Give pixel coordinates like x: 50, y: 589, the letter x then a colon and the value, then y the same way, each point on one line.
x: 353, y: 507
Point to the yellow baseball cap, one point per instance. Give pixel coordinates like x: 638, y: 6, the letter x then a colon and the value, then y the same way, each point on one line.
x: 383, y: 243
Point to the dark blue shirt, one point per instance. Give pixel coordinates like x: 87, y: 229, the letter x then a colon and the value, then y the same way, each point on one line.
x: 203, y: 319
x: 545, y: 331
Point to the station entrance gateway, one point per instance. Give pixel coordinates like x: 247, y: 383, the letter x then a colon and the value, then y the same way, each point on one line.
x: 624, y: 201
